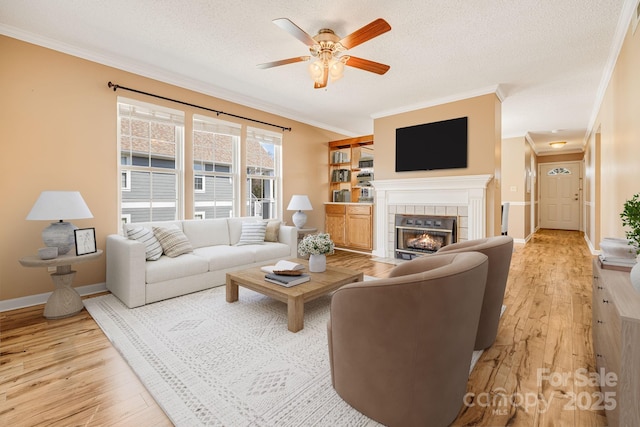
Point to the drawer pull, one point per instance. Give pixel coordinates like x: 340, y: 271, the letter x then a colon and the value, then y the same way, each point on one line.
x: 598, y: 355
x: 606, y: 301
x: 599, y: 321
x: 600, y: 288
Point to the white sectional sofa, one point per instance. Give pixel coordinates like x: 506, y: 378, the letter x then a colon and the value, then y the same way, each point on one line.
x: 137, y: 281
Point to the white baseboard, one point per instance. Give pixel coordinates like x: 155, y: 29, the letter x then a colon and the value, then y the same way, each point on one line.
x: 31, y: 300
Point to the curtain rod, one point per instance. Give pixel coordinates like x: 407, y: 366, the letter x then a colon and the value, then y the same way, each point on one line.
x: 116, y: 87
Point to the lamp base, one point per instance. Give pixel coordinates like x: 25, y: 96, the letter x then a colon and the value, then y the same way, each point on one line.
x: 60, y: 235
x: 299, y: 219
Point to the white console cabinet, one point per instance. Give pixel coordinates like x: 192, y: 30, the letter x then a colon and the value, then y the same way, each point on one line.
x: 616, y: 341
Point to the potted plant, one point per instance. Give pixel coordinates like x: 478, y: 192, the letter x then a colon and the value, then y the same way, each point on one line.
x: 631, y: 218
x: 317, y: 246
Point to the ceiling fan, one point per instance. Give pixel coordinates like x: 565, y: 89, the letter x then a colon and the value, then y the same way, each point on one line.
x: 329, y: 48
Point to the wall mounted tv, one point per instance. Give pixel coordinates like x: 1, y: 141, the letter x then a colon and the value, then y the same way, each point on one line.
x: 438, y: 145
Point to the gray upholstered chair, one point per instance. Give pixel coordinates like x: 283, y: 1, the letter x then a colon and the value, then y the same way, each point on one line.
x: 400, y: 348
x: 499, y: 250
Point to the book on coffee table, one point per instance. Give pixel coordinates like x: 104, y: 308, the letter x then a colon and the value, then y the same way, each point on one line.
x: 286, y: 281
x: 290, y: 268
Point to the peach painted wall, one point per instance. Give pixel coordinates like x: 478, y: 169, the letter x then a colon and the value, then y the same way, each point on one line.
x: 58, y: 121
x: 484, y: 146
x: 514, y: 185
x: 617, y: 144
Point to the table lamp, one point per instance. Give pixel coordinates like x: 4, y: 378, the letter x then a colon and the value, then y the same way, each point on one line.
x: 299, y: 203
x: 59, y: 205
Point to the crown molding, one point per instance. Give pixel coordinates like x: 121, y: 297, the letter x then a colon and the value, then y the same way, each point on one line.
x: 439, y: 101
x: 164, y: 76
x: 624, y: 23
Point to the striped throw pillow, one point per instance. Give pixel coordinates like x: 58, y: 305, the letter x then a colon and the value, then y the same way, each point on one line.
x: 252, y: 233
x: 153, y: 249
x: 173, y: 241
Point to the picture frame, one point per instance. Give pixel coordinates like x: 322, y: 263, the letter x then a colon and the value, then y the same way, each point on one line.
x: 85, y: 241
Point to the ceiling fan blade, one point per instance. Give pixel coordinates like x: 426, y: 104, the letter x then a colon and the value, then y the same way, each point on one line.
x: 284, y: 62
x: 365, y: 64
x: 295, y: 31
x: 325, y: 78
x: 369, y: 31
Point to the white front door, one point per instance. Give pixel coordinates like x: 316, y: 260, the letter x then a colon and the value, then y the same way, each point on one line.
x: 560, y: 195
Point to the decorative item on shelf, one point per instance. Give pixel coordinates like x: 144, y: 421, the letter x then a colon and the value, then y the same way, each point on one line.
x: 631, y: 218
x: 299, y: 203
x: 317, y: 246
x: 59, y: 205
x: 85, y: 241
x: 48, y: 253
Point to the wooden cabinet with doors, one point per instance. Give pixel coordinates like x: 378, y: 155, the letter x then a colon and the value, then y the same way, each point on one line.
x: 335, y: 223
x: 350, y: 225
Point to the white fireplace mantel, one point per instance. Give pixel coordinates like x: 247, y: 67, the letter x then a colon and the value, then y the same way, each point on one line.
x: 462, y: 190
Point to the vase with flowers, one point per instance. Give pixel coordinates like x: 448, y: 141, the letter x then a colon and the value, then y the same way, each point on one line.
x: 631, y: 218
x: 317, y: 246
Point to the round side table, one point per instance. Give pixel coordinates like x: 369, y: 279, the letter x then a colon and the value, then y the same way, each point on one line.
x: 65, y: 301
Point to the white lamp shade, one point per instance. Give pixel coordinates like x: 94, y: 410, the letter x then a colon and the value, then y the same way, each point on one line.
x: 299, y: 203
x: 59, y: 205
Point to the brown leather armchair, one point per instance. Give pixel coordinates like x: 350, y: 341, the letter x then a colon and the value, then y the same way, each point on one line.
x: 499, y: 250
x: 400, y: 348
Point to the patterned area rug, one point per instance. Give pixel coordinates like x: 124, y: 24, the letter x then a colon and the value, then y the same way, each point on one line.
x: 208, y: 362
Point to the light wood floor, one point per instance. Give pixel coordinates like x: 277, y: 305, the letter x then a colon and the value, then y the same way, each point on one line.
x: 66, y: 373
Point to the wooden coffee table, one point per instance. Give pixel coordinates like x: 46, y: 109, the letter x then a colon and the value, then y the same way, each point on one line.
x: 295, y: 296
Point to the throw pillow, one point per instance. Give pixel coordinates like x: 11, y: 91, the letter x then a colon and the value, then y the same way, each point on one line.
x: 273, y: 229
x: 173, y: 241
x: 153, y: 249
x: 252, y: 233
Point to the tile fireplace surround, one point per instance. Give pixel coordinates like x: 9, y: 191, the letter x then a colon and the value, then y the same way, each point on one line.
x: 463, y: 196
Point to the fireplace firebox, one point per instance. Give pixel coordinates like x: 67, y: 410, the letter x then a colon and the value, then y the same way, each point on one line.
x: 417, y: 235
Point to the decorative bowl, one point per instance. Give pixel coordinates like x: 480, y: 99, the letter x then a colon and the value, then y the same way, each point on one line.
x: 48, y: 252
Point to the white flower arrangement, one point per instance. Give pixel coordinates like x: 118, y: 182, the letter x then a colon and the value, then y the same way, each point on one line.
x: 316, y: 244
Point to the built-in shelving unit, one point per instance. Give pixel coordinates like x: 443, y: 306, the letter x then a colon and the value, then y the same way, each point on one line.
x: 351, y: 169
x: 349, y: 214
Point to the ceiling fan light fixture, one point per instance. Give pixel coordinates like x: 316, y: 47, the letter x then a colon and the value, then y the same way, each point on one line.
x: 557, y: 144
x: 328, y: 48
x: 336, y: 69
x: 316, y: 69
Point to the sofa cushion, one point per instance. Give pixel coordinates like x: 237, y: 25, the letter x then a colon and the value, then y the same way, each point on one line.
x: 252, y: 233
x: 174, y: 242
x: 167, y: 268
x: 206, y: 232
x: 150, y: 225
x: 222, y: 257
x: 153, y: 249
x: 273, y: 230
x: 270, y: 251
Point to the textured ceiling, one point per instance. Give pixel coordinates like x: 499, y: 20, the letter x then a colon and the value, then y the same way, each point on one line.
x: 549, y: 59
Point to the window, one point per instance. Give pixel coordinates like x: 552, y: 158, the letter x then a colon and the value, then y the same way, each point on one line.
x: 215, y: 155
x: 264, y: 185
x: 559, y: 171
x: 151, y: 141
x: 198, y: 184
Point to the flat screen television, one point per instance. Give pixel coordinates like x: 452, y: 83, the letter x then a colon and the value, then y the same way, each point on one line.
x: 429, y: 146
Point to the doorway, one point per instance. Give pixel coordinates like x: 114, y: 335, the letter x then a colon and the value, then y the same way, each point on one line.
x: 560, y: 195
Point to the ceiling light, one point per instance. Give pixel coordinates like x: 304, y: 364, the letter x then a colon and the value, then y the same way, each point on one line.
x: 557, y: 144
